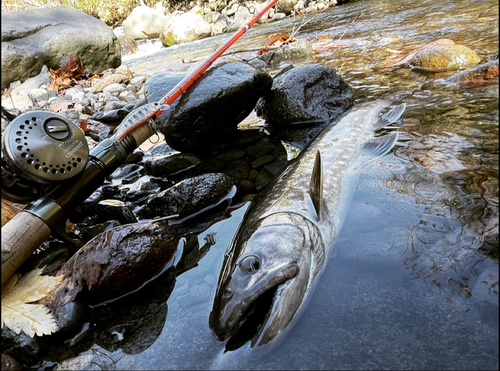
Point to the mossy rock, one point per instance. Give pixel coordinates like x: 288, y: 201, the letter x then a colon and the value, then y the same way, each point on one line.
x: 167, y: 38
x: 444, y: 57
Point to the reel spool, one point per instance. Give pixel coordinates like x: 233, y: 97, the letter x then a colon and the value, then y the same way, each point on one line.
x: 40, y: 149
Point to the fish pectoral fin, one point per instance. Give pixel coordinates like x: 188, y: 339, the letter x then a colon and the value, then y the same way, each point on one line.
x: 391, y: 116
x: 379, y: 146
x: 316, y: 187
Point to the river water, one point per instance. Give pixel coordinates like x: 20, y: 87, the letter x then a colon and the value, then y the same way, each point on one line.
x: 413, y: 280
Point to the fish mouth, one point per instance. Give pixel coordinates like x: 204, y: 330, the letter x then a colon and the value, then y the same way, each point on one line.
x: 259, y: 310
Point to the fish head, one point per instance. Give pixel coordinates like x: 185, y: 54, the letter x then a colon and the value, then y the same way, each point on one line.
x: 263, y: 284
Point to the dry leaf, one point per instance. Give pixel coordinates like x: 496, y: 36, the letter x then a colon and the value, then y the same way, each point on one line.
x: 275, y: 41
x: 19, y: 310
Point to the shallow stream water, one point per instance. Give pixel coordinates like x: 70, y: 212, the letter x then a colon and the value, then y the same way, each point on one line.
x: 413, y: 280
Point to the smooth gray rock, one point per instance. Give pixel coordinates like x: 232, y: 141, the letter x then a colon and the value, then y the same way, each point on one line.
x: 33, y: 38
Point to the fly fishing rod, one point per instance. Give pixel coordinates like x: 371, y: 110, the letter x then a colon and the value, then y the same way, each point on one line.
x: 40, y: 148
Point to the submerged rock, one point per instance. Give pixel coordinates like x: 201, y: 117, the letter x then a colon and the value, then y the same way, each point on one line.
x: 444, y: 57
x: 305, y: 93
x: 484, y: 72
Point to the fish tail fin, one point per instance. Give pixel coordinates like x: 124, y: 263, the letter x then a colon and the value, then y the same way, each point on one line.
x: 316, y: 187
x: 379, y: 146
x: 391, y: 116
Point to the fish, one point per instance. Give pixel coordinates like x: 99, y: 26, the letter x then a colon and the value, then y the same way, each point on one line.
x: 273, y: 264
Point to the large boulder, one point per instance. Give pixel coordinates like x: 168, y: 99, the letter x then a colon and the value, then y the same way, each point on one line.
x: 305, y: 93
x: 185, y: 28
x: 144, y: 23
x: 33, y: 38
x: 211, y: 108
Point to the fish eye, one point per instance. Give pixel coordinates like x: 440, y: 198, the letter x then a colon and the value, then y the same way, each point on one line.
x: 228, y: 292
x: 250, y: 263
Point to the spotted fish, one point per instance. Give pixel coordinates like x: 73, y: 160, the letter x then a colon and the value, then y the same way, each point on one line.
x: 272, y: 266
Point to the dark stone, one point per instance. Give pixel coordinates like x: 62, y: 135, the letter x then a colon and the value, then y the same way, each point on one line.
x: 305, y: 93
x: 115, y: 116
x: 170, y: 164
x: 263, y: 147
x: 69, y: 317
x: 189, y: 196
x: 267, y: 175
x: 33, y: 38
x: 238, y: 169
x: 22, y: 347
x: 261, y: 161
x: 136, y: 196
x: 160, y: 149
x: 9, y: 363
x: 93, y: 230
x: 116, y: 262
x: 126, y: 171
x: 212, y: 107
x: 134, y: 157
x: 115, y: 210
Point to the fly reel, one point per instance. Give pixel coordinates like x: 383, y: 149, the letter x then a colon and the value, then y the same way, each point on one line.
x: 40, y: 149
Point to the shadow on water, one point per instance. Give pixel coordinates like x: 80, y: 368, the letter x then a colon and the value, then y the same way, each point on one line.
x: 413, y: 280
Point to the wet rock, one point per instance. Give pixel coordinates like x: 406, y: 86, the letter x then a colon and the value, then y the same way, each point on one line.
x: 238, y: 169
x: 305, y: 93
x: 170, y: 164
x: 116, y: 263
x: 93, y: 230
x: 189, y: 196
x: 135, y: 322
x: 20, y: 346
x: 33, y: 38
x: 90, y: 203
x: 484, y: 72
x: 115, y: 210
x: 263, y: 147
x: 261, y: 161
x: 69, y: 317
x: 444, y: 57
x: 212, y: 106
x: 267, y: 175
x: 291, y: 52
x: 127, y: 172
x: 9, y: 363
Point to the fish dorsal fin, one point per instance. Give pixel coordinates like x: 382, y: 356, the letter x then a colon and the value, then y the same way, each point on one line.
x: 316, y: 187
x: 391, y: 116
x: 379, y: 146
